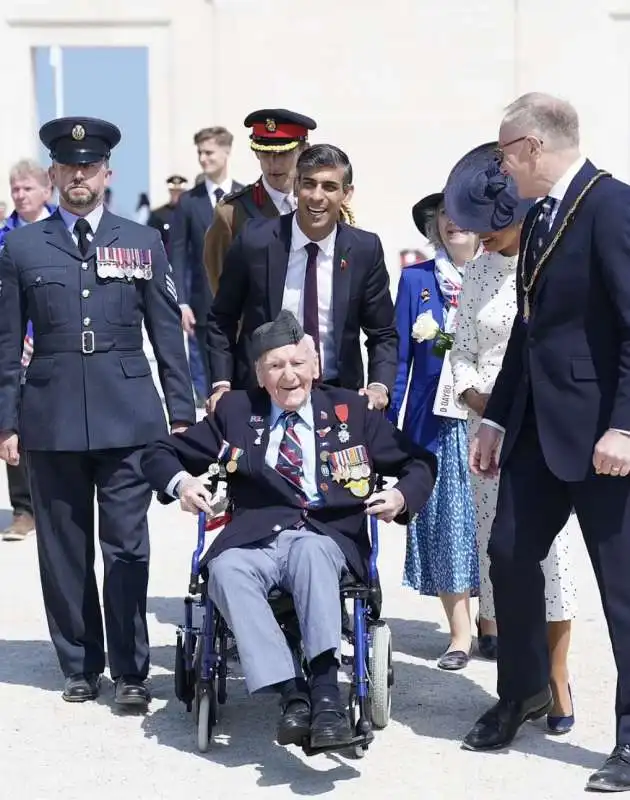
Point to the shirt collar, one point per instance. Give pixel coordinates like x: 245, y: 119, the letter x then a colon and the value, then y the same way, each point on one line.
x: 299, y: 239
x: 305, y: 414
x: 559, y: 190
x: 43, y: 214
x: 94, y: 218
x: 277, y: 197
x: 211, y: 186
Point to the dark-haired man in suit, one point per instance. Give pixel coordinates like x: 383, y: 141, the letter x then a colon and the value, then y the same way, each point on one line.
x: 300, y: 462
x: 330, y: 275
x: 561, y: 404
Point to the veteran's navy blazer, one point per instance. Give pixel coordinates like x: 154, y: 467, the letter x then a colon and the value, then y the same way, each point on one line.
x: 264, y: 502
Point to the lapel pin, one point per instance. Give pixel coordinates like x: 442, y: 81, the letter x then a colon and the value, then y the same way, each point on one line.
x: 425, y: 295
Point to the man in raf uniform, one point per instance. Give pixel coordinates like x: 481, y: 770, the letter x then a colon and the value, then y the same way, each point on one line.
x: 300, y: 505
x: 88, y: 279
x: 278, y: 138
x: 162, y: 218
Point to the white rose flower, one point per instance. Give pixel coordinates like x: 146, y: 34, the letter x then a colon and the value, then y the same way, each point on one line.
x: 425, y: 327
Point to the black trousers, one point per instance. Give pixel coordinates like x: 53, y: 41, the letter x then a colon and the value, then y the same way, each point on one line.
x: 19, y: 489
x: 533, y: 506
x: 63, y: 487
x: 201, y: 334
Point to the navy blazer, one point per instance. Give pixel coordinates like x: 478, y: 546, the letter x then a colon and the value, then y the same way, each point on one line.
x: 78, y: 401
x: 573, y: 356
x: 264, y: 502
x: 418, y: 292
x: 251, y: 290
x: 191, y: 219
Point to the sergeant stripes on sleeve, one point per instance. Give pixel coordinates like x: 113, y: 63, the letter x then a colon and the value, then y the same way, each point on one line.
x: 170, y: 287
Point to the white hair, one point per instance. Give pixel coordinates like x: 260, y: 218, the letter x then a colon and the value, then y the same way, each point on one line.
x: 28, y: 168
x: 552, y: 119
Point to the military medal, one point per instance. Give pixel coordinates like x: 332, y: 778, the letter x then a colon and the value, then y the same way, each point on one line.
x: 425, y: 295
x: 360, y: 488
x: 236, y: 453
x: 341, y: 411
x: 324, y: 455
x: 259, y: 433
x: 213, y: 470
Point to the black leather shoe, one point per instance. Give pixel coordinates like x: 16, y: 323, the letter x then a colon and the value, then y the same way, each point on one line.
x: 330, y: 726
x: 614, y: 776
x: 498, y: 726
x: 81, y: 687
x: 131, y: 691
x: 488, y: 646
x: 295, y: 723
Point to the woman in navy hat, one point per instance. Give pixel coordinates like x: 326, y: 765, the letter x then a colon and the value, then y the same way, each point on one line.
x: 441, y: 555
x: 479, y: 197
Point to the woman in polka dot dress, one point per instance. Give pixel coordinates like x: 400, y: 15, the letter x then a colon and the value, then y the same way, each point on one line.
x: 479, y: 196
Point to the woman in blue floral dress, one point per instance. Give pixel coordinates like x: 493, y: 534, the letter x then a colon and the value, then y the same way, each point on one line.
x: 441, y: 558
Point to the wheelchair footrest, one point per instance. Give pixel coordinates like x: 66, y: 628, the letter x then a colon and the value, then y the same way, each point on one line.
x: 356, y: 741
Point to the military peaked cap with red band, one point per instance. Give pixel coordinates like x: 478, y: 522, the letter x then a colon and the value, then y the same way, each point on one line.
x: 276, y: 130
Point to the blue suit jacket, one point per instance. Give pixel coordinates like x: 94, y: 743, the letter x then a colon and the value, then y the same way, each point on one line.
x: 264, y: 502
x: 191, y: 219
x: 416, y: 359
x: 251, y: 290
x: 76, y: 401
x: 573, y: 357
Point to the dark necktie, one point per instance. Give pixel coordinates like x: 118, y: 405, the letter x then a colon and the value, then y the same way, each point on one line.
x: 290, y: 460
x: 311, y: 304
x: 218, y: 193
x: 541, y: 228
x: 82, y: 228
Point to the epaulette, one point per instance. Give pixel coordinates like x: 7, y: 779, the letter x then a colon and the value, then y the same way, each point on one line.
x: 227, y: 198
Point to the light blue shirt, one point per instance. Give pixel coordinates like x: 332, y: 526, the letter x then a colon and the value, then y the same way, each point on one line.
x: 69, y: 219
x: 305, y: 430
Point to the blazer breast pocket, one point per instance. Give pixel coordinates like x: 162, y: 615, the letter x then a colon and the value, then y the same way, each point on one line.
x: 46, y: 290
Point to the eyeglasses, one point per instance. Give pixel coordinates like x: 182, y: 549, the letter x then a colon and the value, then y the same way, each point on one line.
x: 499, y: 152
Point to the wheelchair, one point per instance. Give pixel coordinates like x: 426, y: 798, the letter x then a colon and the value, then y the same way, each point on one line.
x: 203, y: 650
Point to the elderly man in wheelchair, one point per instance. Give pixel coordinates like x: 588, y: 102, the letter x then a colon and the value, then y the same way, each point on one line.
x: 300, y: 460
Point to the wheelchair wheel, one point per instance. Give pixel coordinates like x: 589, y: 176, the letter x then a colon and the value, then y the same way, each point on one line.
x: 381, y: 674
x: 184, y: 679
x: 206, y: 718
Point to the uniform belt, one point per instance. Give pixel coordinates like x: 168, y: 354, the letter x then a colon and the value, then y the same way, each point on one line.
x: 87, y: 342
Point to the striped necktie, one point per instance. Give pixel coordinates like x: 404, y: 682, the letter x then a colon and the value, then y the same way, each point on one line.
x: 290, y: 459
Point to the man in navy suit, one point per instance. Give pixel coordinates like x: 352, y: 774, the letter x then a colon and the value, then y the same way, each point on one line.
x: 192, y: 218
x: 561, y: 404
x: 300, y: 463
x: 87, y: 280
x: 331, y: 275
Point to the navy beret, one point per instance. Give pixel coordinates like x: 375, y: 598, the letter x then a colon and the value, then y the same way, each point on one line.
x: 283, y: 330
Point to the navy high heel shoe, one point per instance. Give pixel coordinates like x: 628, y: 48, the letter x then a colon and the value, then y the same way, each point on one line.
x: 559, y: 725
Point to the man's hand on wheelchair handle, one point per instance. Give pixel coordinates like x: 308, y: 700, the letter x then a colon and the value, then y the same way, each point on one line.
x: 193, y: 496
x: 386, y: 505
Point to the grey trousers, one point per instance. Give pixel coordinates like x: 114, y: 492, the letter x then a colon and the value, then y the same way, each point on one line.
x: 306, y: 564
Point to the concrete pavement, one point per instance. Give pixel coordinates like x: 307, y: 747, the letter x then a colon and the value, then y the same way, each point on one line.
x: 52, y: 750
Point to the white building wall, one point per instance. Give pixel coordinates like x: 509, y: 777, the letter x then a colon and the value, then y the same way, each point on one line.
x: 405, y: 86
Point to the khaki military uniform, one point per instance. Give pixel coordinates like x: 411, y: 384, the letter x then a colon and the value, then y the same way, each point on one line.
x: 229, y: 216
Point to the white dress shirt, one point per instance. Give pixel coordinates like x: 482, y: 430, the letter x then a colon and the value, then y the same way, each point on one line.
x: 293, y: 298
x: 305, y: 430
x: 69, y: 219
x: 285, y: 203
x: 211, y: 187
